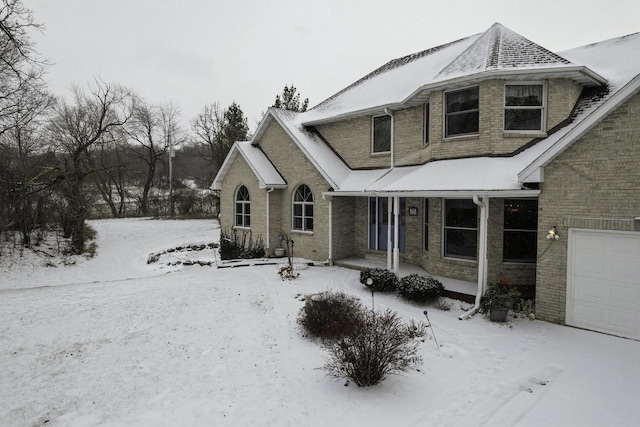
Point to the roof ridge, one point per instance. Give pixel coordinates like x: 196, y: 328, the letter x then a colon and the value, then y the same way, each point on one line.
x: 390, y: 65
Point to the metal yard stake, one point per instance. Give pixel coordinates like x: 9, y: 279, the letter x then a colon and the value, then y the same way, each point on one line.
x: 432, y: 333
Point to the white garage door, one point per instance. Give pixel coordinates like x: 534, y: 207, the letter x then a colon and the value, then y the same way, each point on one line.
x: 603, y: 281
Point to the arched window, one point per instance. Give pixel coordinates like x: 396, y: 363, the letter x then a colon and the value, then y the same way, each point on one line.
x: 243, y: 207
x: 303, y: 209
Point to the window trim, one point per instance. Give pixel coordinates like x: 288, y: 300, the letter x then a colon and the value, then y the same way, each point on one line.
x: 534, y: 230
x: 373, y: 121
x: 543, y: 107
x: 303, y: 203
x: 444, y: 234
x: 244, y: 203
x: 444, y: 113
x: 425, y: 118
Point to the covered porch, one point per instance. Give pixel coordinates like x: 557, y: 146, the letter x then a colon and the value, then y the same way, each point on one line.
x: 458, y: 289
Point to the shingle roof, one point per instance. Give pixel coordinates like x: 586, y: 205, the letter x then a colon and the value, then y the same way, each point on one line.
x: 263, y: 169
x: 497, y: 51
x: 499, y: 48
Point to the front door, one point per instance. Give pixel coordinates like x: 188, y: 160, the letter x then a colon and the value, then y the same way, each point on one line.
x: 378, y: 223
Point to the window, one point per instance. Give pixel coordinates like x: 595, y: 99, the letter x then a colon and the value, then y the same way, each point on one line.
x: 460, y: 229
x: 303, y: 209
x: 243, y: 207
x: 520, y: 230
x: 381, y: 134
x: 461, y: 112
x: 426, y: 224
x: 524, y: 107
x: 426, y: 123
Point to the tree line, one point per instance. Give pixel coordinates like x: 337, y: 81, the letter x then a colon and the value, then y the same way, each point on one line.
x: 59, y: 157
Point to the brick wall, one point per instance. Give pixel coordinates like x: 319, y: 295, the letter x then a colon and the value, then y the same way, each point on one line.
x: 352, y: 138
x: 296, y: 169
x: 594, y: 184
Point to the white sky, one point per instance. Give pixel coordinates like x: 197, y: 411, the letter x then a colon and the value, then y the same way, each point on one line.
x: 194, y: 52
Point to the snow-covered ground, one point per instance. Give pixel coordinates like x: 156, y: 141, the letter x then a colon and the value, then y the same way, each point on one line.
x: 116, y: 341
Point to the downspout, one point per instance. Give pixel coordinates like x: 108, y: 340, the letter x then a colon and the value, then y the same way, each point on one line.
x: 482, y: 254
x: 268, y: 222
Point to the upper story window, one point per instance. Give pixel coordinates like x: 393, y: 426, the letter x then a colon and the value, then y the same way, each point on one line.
x: 426, y: 123
x: 381, y: 134
x: 520, y: 230
x: 460, y: 229
x: 243, y: 208
x: 524, y: 106
x: 461, y: 114
x: 303, y: 209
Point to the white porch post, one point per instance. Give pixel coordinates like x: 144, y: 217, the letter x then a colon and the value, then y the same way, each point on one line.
x: 389, y: 233
x: 396, y: 234
x: 330, y: 230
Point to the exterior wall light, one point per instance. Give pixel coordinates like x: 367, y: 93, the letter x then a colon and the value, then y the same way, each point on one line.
x: 553, y: 234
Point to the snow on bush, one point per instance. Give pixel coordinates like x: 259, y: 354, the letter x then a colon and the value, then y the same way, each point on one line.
x: 382, y: 280
x: 330, y: 315
x: 380, y: 346
x: 420, y: 289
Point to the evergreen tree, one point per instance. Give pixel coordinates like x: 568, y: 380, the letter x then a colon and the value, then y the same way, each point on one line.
x: 234, y: 127
x: 289, y: 99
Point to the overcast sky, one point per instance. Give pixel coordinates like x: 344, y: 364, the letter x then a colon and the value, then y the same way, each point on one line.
x: 194, y: 52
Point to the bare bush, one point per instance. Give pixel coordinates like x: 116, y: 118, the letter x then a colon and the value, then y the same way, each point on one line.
x: 382, y: 345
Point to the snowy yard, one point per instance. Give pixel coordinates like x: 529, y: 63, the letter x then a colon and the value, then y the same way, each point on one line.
x: 114, y: 341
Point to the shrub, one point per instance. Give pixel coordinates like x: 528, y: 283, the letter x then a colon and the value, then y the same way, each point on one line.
x: 240, y: 246
x: 383, y: 280
x: 381, y: 345
x: 330, y: 315
x: 501, y: 295
x: 420, y: 289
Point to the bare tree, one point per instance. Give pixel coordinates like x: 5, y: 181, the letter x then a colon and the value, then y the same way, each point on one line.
x: 146, y: 129
x: 90, y: 120
x: 21, y: 70
x: 208, y: 127
x: 112, y: 165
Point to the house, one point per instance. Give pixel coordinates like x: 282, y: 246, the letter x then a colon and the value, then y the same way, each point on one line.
x: 486, y: 155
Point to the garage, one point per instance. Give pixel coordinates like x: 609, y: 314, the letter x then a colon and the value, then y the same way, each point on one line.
x: 603, y: 281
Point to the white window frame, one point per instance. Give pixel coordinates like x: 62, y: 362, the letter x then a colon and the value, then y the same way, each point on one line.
x: 303, y: 204
x: 425, y: 118
x: 543, y: 108
x: 444, y: 113
x: 373, y: 126
x: 244, y: 203
x: 444, y: 234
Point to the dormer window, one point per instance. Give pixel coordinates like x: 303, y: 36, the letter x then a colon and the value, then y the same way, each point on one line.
x: 381, y: 134
x: 524, y: 105
x: 461, y: 114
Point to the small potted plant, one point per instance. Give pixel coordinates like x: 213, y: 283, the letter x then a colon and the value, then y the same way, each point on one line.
x: 499, y: 298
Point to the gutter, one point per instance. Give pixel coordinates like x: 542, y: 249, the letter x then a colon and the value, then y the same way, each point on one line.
x: 482, y: 254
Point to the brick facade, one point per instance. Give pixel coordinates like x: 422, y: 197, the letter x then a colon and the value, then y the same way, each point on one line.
x: 594, y: 184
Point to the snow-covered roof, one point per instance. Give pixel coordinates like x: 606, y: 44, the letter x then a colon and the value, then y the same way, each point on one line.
x: 319, y: 153
x: 615, y: 62
x: 498, y: 52
x: 261, y: 166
